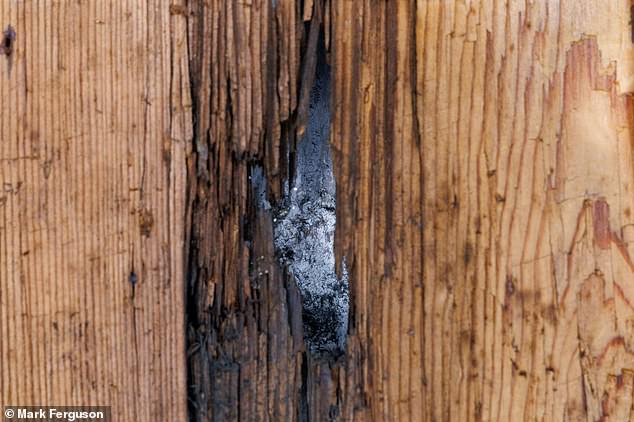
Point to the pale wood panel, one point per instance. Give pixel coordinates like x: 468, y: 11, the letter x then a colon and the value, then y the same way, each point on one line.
x: 93, y: 137
x: 484, y: 176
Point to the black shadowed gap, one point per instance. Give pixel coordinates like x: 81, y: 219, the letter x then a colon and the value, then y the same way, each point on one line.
x: 305, y: 226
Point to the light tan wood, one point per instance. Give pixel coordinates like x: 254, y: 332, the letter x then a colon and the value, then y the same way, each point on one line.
x: 485, y: 201
x: 94, y: 130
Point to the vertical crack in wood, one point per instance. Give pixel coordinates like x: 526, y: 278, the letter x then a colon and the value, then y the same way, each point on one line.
x: 305, y: 222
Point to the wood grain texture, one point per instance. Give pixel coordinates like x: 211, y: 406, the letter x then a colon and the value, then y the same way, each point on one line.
x: 94, y: 130
x: 484, y: 172
x: 245, y: 343
x: 484, y: 163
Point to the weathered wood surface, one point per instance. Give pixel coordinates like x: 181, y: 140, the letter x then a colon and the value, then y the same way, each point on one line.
x: 484, y: 184
x: 484, y: 164
x: 244, y: 316
x: 485, y: 197
x: 94, y: 129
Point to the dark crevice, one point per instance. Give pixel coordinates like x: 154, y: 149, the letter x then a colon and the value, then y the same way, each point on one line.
x: 7, y: 41
x: 7, y: 47
x: 305, y: 223
x: 303, y: 393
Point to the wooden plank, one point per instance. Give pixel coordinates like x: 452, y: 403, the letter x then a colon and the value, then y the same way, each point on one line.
x: 94, y: 132
x: 484, y: 171
x: 483, y: 154
x: 246, y: 350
